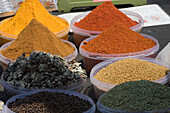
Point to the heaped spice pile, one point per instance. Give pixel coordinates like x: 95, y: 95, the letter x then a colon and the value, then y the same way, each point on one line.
x: 37, y: 37
x: 137, y: 96
x: 131, y: 69
x: 28, y: 10
x: 46, y: 102
x: 118, y: 39
x: 41, y: 71
x: 103, y: 17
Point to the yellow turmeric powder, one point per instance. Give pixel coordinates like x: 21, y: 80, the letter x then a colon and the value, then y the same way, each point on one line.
x: 32, y: 9
x: 37, y: 37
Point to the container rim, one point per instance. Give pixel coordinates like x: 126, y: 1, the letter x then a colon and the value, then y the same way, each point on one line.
x: 99, y: 56
x: 107, y: 86
x: 7, y: 60
x: 65, y: 31
x: 90, y: 33
x: 82, y: 96
x: 3, y: 58
x: 18, y: 89
x: 103, y: 108
x: 58, y: 34
x: 74, y: 54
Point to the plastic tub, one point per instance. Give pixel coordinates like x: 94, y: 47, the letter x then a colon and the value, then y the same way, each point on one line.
x: 5, y: 61
x: 64, y: 33
x: 73, y: 87
x: 91, y: 110
x: 102, y: 87
x: 81, y: 34
x: 91, y: 59
x: 5, y: 37
x: 105, y: 109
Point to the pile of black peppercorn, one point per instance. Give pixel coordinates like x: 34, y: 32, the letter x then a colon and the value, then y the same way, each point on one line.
x: 50, y: 103
x: 43, y: 71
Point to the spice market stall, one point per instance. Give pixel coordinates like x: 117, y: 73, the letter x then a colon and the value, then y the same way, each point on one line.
x: 107, y: 57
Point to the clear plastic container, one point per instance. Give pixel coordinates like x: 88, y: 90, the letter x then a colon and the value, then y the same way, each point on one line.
x: 102, y: 87
x: 64, y: 33
x: 5, y: 61
x: 73, y: 55
x: 104, y: 109
x: 73, y: 87
x: 81, y: 34
x: 91, y: 59
x: 23, y: 95
x: 5, y: 37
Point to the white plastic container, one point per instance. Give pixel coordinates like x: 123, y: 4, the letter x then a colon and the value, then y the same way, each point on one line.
x: 23, y: 95
x: 102, y: 87
x: 104, y: 109
x: 81, y: 34
x: 91, y: 59
x: 5, y: 61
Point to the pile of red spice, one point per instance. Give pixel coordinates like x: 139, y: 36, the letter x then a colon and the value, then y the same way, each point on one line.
x: 118, y: 39
x: 103, y: 17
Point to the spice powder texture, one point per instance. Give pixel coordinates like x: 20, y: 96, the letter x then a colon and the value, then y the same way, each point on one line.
x: 144, y: 96
x: 131, y: 69
x: 32, y: 9
x: 37, y: 37
x: 118, y: 39
x: 103, y: 17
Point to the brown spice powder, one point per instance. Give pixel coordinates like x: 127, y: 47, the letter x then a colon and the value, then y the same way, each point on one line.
x: 37, y: 37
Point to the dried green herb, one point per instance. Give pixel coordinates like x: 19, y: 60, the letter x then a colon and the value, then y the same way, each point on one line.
x: 137, y: 96
x: 41, y: 70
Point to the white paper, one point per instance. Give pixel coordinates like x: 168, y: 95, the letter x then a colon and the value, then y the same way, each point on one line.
x: 70, y: 16
x: 152, y: 14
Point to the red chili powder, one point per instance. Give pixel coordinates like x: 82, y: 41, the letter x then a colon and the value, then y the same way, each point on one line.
x: 118, y: 39
x: 103, y: 17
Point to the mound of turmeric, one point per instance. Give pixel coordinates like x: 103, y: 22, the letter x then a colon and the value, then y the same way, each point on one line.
x: 31, y: 9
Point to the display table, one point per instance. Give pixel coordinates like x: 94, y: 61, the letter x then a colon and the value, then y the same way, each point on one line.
x: 162, y: 33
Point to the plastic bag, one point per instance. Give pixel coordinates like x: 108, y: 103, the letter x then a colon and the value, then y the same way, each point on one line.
x: 1, y: 106
x: 50, y: 5
x: 164, y: 55
x: 6, y: 6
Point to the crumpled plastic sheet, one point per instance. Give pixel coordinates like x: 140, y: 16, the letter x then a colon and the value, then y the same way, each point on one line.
x: 164, y: 55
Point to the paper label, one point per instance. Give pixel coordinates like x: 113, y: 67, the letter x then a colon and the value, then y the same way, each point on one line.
x: 152, y: 14
x: 101, y: 0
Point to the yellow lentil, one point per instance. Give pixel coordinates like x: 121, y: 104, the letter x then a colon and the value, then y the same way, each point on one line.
x: 131, y: 69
